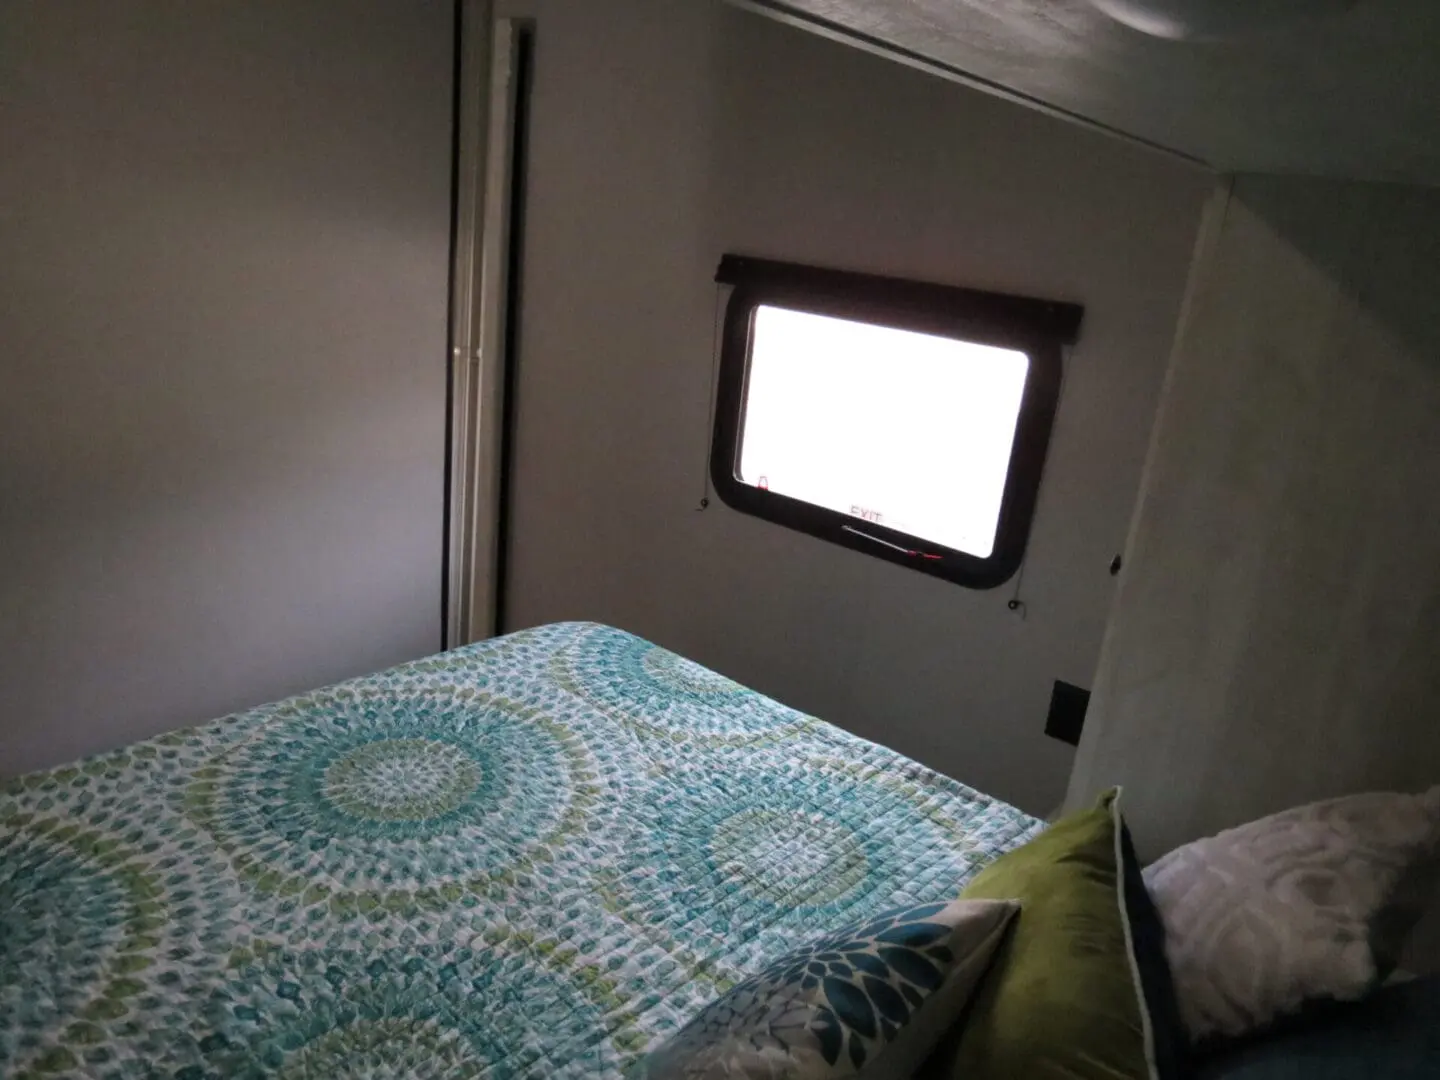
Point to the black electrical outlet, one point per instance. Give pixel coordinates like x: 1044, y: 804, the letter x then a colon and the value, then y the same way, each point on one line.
x: 1068, y: 704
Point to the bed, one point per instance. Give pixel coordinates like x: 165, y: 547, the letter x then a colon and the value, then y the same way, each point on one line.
x: 534, y: 856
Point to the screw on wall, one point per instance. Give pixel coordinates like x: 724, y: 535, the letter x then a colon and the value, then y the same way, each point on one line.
x: 1015, y: 604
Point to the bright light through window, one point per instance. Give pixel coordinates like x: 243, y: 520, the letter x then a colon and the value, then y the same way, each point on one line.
x: 905, y: 420
x: 907, y: 430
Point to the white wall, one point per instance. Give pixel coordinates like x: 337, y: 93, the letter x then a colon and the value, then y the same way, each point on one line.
x: 1276, y: 638
x: 665, y: 134
x: 222, y: 356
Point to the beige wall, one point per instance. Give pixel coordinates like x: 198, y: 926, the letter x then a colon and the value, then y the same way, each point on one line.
x: 1276, y: 638
x: 222, y: 356
x: 665, y: 134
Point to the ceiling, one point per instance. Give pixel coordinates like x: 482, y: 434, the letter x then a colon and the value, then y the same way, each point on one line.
x: 1356, y: 95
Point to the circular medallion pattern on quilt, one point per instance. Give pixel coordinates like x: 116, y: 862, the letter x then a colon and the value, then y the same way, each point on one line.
x: 391, y: 781
x: 711, y: 850
x: 77, y: 920
x: 809, y: 859
x: 437, y: 1009
x: 375, y: 792
x: 657, y: 693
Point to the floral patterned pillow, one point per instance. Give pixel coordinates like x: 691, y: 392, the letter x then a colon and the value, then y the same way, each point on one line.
x: 870, y: 1000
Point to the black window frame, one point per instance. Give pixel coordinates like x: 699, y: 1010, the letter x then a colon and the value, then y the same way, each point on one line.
x: 1041, y: 329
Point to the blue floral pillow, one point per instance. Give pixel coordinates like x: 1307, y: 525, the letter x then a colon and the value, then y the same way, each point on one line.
x: 870, y: 1000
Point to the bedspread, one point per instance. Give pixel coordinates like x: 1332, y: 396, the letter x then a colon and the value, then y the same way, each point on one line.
x: 535, y: 856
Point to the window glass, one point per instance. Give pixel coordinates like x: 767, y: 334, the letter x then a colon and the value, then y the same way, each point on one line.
x: 907, y: 430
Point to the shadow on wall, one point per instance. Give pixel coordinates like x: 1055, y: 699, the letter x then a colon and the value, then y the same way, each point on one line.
x: 1357, y: 562
x: 1274, y: 640
x: 1380, y: 243
x: 222, y: 392
x: 1275, y: 635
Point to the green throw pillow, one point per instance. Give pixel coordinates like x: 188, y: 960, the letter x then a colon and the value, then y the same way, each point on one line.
x: 1079, y: 990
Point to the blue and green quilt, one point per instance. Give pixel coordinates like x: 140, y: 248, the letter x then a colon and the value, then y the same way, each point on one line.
x: 532, y: 857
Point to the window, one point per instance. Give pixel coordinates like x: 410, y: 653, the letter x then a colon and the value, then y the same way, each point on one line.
x: 904, y: 420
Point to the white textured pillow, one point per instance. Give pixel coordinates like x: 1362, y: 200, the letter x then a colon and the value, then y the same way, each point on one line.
x: 1315, y: 902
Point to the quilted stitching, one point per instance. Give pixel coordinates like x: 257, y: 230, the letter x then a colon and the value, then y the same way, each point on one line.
x: 535, y: 856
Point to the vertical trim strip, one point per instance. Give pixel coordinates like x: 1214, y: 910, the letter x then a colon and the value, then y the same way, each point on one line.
x: 490, y: 357
x: 472, y: 86
x: 489, y: 84
x: 520, y: 151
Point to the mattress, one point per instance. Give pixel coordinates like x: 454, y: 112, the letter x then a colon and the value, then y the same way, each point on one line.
x: 536, y: 856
